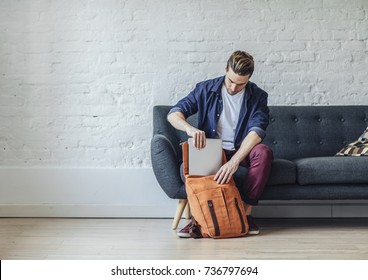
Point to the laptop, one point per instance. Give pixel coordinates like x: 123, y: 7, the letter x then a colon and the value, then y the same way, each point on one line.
x: 206, y: 161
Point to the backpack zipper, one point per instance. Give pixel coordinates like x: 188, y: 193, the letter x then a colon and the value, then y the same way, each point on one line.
x: 240, y: 215
x: 214, y: 218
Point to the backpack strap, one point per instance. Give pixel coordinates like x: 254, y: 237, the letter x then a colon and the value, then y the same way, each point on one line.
x: 185, y: 148
x: 194, y: 230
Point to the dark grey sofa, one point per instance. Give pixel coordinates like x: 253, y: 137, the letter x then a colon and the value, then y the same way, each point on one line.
x: 304, y: 140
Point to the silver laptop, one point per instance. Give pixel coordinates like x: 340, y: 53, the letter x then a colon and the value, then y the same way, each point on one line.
x: 206, y: 161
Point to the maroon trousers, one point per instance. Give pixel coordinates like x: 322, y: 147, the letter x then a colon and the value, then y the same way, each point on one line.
x: 258, y: 163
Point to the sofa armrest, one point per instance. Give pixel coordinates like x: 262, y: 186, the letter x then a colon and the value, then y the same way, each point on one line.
x: 166, y: 166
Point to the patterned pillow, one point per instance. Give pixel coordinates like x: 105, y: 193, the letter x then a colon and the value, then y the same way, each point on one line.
x: 357, y: 148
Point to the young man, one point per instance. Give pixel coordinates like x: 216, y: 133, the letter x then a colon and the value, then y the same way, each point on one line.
x: 235, y: 110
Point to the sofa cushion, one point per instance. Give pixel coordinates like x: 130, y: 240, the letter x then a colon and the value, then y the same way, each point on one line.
x: 332, y: 170
x: 283, y: 172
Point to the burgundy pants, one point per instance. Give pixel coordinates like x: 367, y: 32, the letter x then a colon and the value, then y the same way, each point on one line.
x: 258, y: 163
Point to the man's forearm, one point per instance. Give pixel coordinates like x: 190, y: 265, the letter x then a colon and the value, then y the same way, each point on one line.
x: 247, y: 145
x: 226, y: 171
x: 177, y: 120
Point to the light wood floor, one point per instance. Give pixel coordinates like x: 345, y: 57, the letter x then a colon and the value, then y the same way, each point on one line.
x: 140, y: 239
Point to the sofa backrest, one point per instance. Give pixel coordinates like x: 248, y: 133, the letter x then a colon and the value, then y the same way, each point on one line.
x: 294, y: 131
x: 313, y: 131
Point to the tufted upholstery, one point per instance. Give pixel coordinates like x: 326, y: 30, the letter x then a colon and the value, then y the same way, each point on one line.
x: 313, y: 131
x: 304, y: 140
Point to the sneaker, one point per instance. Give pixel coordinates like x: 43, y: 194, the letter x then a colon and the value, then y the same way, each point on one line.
x: 253, y: 228
x: 184, y: 232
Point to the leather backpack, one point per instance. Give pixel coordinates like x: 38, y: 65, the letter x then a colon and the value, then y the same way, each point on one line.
x: 217, y: 209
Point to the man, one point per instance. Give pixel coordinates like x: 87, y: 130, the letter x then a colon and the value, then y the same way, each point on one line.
x: 235, y: 110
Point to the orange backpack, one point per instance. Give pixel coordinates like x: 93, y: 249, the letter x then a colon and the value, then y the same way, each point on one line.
x: 217, y: 209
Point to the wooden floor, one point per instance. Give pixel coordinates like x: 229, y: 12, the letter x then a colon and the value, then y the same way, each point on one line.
x: 140, y: 239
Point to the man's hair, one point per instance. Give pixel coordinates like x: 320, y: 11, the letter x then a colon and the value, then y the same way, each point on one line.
x: 241, y: 63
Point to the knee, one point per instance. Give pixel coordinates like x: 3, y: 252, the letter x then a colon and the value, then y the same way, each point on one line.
x: 263, y: 151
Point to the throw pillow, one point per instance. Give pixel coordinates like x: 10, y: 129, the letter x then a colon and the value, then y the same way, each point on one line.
x: 356, y: 148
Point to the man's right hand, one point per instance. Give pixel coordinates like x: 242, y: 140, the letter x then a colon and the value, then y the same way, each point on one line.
x: 199, y: 137
x: 178, y: 121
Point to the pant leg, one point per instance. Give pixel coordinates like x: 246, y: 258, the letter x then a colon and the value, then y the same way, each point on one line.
x: 259, y: 163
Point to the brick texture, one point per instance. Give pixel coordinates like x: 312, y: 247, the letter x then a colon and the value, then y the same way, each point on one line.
x: 78, y: 79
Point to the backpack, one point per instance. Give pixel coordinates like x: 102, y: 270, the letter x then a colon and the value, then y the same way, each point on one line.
x: 217, y: 209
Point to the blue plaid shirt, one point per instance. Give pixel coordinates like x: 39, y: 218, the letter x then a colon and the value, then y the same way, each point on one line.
x: 205, y: 99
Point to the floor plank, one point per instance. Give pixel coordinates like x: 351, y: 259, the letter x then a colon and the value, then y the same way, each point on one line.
x: 141, y: 239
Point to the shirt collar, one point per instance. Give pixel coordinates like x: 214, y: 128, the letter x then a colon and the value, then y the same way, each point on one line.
x: 217, y: 86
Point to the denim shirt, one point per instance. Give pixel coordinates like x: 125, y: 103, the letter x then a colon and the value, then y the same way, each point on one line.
x: 206, y: 100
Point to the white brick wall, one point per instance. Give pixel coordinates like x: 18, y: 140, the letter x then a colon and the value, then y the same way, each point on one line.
x: 78, y: 79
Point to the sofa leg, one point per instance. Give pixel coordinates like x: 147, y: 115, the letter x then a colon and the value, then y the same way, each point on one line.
x: 179, y: 212
x: 187, y: 212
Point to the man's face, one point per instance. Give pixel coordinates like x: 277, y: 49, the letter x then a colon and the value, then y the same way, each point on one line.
x: 234, y: 83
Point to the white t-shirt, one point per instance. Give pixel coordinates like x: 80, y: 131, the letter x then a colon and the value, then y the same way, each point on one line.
x: 229, y: 117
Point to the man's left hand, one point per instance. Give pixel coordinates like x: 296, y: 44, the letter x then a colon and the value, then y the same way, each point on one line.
x: 226, y: 171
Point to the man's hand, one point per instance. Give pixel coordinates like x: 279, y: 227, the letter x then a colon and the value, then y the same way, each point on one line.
x: 226, y: 171
x: 199, y: 137
x: 178, y: 121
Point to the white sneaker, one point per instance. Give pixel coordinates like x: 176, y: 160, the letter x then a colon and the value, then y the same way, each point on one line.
x: 184, y: 232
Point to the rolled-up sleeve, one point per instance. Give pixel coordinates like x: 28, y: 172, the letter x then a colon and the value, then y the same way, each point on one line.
x: 260, y: 119
x: 187, y: 105
x: 260, y: 132
x: 175, y: 109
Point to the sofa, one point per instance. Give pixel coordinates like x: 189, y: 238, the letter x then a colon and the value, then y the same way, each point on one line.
x: 304, y: 140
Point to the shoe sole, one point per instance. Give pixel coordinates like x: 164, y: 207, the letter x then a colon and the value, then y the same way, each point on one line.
x: 253, y: 232
x: 183, y: 235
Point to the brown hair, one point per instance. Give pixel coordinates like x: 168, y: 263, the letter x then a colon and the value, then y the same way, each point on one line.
x: 241, y: 63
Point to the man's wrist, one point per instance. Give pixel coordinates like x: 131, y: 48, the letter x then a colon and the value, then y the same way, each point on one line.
x: 235, y: 159
x: 189, y: 130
